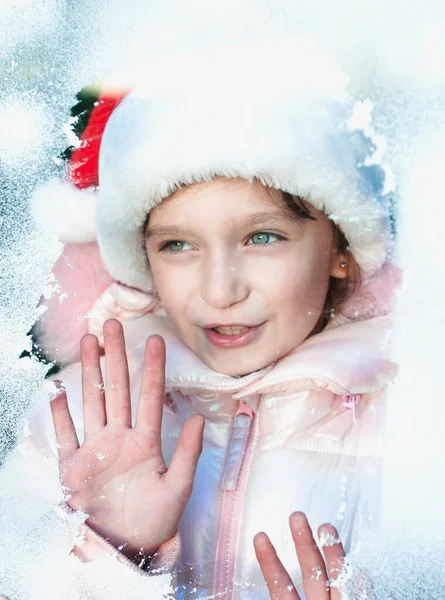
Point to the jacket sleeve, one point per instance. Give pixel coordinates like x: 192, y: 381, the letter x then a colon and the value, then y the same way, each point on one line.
x: 50, y: 551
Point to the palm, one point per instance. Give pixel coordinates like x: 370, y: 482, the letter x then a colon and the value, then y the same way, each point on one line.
x: 117, y: 455
x: 118, y: 465
x: 123, y: 460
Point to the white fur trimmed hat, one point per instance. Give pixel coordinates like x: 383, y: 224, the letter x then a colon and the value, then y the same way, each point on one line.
x: 275, y: 111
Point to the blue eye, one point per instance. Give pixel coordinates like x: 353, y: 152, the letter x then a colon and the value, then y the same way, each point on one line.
x: 263, y: 237
x: 175, y: 246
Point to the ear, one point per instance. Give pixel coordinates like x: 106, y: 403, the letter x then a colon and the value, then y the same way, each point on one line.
x: 337, y: 267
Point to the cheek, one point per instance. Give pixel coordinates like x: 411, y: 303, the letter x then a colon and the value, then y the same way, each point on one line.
x: 298, y: 278
x: 175, y: 288
x: 167, y: 282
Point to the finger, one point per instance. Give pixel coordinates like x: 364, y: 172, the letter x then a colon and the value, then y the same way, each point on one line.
x: 315, y: 580
x: 151, y: 397
x: 66, y: 436
x: 181, y: 471
x: 94, y: 416
x: 278, y: 582
x: 117, y: 389
x: 334, y: 554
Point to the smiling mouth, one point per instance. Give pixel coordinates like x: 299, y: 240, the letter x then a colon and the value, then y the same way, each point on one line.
x: 231, y: 329
x: 232, y: 336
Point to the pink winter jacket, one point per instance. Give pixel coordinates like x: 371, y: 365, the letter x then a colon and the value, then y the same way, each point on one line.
x: 302, y: 434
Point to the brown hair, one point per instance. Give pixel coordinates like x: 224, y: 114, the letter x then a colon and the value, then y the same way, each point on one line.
x: 339, y: 290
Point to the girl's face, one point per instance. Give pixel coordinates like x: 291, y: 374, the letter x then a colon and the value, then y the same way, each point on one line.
x: 242, y: 280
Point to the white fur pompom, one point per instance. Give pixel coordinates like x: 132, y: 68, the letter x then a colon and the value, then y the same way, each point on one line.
x: 61, y: 209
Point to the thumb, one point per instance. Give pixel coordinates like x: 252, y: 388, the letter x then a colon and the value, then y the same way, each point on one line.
x: 181, y: 471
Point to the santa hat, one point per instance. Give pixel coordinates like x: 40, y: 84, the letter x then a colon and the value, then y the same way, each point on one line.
x: 276, y: 111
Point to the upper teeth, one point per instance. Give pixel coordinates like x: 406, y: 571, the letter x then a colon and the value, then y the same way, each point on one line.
x: 231, y: 330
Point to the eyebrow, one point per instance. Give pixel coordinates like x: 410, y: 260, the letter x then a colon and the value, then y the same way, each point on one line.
x: 161, y: 231
x: 269, y: 219
x: 260, y: 219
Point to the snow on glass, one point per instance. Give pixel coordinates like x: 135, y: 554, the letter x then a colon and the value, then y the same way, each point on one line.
x: 395, y: 55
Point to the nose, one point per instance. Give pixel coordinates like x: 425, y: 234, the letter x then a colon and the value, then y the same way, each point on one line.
x: 223, y: 283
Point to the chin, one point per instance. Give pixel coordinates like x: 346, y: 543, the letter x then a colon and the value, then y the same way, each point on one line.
x: 234, y: 367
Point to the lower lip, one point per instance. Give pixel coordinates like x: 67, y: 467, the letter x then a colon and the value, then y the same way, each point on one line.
x: 232, y: 341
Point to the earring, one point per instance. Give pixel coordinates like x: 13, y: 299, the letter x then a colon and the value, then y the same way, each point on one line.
x: 344, y: 265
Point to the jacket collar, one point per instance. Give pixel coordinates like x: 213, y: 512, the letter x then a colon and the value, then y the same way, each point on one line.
x: 346, y: 359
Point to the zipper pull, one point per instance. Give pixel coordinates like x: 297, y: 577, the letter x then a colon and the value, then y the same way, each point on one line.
x: 237, y: 445
x: 350, y: 402
x: 244, y: 409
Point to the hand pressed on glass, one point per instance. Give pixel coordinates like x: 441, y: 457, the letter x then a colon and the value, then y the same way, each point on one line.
x: 118, y: 476
x: 319, y: 578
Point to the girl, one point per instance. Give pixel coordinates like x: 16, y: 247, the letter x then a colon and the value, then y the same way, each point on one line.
x: 245, y: 221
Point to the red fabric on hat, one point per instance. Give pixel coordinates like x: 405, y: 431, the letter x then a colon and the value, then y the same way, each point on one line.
x: 84, y: 163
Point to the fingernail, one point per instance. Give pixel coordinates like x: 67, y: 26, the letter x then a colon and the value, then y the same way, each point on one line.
x: 298, y: 519
x: 328, y: 535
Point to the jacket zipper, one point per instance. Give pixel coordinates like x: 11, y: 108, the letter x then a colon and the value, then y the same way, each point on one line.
x: 233, y: 483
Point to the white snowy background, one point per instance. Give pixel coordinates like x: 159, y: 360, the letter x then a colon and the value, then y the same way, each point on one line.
x: 395, y: 54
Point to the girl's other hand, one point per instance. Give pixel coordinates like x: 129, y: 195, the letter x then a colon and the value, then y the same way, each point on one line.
x: 118, y: 476
x: 318, y: 576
